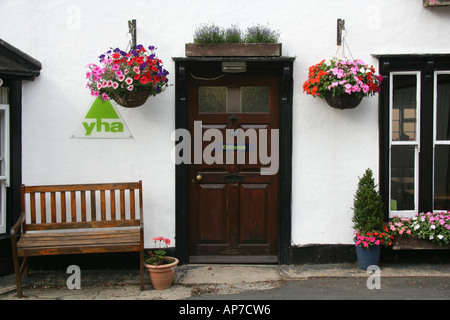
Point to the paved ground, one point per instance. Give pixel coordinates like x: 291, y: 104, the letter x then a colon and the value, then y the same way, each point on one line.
x: 244, y: 282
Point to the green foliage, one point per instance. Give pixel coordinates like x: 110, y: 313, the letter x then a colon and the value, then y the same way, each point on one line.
x: 261, y: 34
x: 367, y: 206
x: 433, y: 226
x: 156, y: 257
x: 211, y: 33
x: 233, y: 35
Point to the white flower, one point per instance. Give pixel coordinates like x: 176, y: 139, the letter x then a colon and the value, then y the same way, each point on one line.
x: 431, y: 237
x: 362, y: 70
x: 432, y: 227
x: 417, y: 226
x: 440, y: 236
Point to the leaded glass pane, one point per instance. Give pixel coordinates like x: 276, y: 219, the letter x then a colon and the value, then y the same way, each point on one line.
x: 255, y: 98
x: 212, y: 99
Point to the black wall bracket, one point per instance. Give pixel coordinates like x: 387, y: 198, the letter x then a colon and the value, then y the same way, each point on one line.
x: 132, y: 31
x: 340, y: 28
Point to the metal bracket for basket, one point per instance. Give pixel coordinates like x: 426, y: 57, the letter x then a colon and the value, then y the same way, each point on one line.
x: 132, y: 31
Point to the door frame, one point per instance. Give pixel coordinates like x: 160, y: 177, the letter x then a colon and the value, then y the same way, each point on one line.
x: 283, y: 68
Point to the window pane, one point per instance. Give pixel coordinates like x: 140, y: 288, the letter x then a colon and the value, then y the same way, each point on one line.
x: 212, y: 99
x: 443, y: 107
x: 402, y: 177
x: 4, y: 95
x: 442, y: 178
x: 255, y: 98
x: 404, y: 108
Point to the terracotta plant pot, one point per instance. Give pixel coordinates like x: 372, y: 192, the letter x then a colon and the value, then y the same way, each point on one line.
x: 161, y: 277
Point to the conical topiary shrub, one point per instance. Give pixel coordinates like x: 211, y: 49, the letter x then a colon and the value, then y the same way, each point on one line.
x: 367, y: 206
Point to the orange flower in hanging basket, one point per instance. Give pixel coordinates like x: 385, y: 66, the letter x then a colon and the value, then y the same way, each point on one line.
x: 341, y: 82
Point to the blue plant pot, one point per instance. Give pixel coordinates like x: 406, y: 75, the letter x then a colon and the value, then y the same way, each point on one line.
x: 368, y: 257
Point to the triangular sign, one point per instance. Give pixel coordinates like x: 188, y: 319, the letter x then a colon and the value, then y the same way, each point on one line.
x: 102, y: 120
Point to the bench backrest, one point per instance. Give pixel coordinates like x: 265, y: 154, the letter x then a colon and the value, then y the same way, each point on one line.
x: 104, y: 205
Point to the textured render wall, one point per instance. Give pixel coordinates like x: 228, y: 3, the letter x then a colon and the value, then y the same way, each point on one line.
x: 331, y: 147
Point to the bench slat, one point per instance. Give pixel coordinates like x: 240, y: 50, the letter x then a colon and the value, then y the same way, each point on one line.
x: 112, y: 199
x: 33, y: 207
x: 53, y: 205
x: 77, y: 249
x: 43, y: 209
x: 63, y: 206
x: 102, y: 204
x: 79, y: 187
x: 122, y: 204
x: 82, y: 225
x: 73, y: 206
x: 58, y: 240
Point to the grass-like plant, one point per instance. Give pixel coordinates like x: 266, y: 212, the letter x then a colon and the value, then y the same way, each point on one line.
x: 211, y: 33
x: 261, y: 34
x: 233, y: 34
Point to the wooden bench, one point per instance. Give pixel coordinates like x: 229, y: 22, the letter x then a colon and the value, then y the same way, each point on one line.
x: 76, y: 219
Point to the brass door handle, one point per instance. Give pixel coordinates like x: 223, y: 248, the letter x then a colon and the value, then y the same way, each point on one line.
x: 199, y: 177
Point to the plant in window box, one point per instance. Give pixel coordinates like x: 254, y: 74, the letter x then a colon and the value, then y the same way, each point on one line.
x: 161, y: 269
x: 370, y: 230
x: 423, y: 231
x: 342, y: 83
x: 212, y: 40
x: 129, y: 78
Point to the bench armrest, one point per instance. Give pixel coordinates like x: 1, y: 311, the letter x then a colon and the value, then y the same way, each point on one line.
x: 18, y: 225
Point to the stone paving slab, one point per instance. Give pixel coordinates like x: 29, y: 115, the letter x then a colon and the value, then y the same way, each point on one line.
x: 192, y: 280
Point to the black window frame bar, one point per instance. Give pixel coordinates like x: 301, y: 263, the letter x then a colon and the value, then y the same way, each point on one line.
x: 426, y: 64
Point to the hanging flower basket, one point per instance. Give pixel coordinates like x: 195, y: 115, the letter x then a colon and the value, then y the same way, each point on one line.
x: 129, y: 78
x: 341, y: 82
x: 132, y: 99
x: 344, y: 101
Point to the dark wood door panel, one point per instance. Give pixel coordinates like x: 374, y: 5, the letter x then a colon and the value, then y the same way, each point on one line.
x: 254, y: 207
x: 233, y: 209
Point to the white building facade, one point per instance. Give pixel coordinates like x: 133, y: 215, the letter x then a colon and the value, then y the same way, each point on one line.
x: 405, y: 41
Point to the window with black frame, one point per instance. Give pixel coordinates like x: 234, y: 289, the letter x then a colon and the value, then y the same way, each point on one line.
x: 415, y: 134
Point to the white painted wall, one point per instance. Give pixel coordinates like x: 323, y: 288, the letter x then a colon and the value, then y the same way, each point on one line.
x: 331, y: 147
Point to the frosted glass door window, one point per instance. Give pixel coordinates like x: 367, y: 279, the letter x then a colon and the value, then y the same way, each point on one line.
x: 243, y: 99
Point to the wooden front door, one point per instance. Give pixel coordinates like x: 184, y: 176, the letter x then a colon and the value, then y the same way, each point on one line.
x: 232, y: 206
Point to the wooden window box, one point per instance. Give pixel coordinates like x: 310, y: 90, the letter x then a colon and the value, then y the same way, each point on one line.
x: 233, y: 50
x: 412, y: 243
x: 436, y: 3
